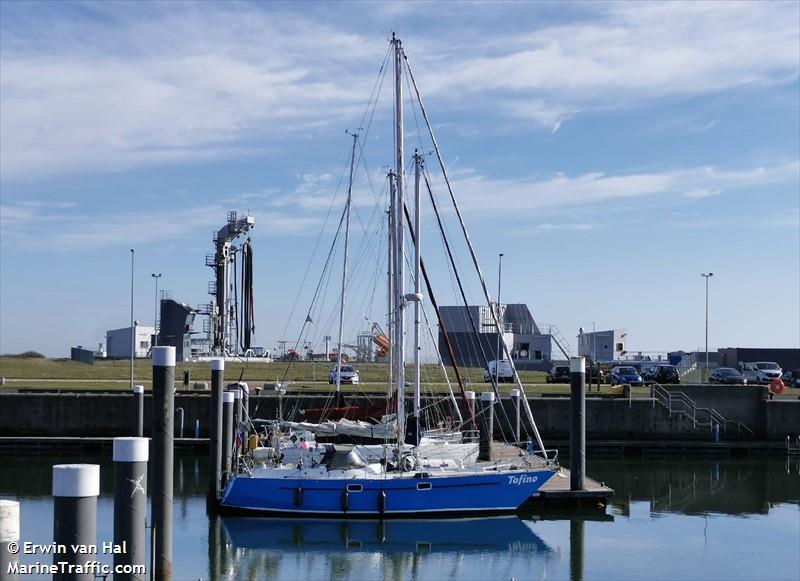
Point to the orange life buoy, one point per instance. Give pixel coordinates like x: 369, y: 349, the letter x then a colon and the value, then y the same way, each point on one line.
x: 776, y: 386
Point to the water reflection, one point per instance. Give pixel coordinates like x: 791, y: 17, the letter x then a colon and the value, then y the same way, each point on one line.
x: 339, y: 549
x: 696, y: 486
x: 729, y: 501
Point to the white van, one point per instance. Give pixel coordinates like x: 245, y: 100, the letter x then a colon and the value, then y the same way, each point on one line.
x: 761, y: 371
x: 504, y: 372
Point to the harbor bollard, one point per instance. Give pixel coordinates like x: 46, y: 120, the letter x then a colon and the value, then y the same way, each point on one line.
x: 227, y: 434
x: 163, y: 431
x: 130, y: 505
x: 138, y: 411
x: 75, y: 491
x: 9, y: 533
x: 515, y: 395
x: 487, y: 426
x: 245, y: 413
x: 237, y: 421
x: 577, y: 433
x: 470, y: 397
x: 215, y: 429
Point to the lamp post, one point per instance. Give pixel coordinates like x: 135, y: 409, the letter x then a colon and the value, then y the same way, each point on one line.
x: 499, y: 322
x: 706, y: 276
x: 133, y: 328
x: 155, y: 316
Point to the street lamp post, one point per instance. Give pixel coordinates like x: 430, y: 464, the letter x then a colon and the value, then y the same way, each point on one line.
x: 155, y: 316
x: 133, y: 328
x: 499, y: 321
x: 706, y: 276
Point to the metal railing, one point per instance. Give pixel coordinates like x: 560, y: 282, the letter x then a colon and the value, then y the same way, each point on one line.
x: 678, y: 403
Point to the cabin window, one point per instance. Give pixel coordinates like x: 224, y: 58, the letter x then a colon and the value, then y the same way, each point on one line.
x: 620, y: 347
x: 424, y: 486
x: 354, y: 488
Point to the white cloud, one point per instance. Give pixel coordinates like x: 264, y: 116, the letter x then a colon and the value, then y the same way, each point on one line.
x: 66, y: 232
x: 132, y: 85
x: 702, y: 193
x: 479, y: 193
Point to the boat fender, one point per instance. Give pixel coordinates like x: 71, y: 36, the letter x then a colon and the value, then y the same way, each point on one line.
x: 407, y: 463
x: 345, y: 501
x: 382, y: 501
x: 298, y: 496
x: 776, y: 386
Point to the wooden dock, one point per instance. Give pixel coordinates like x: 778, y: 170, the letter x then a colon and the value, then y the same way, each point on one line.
x: 556, y: 491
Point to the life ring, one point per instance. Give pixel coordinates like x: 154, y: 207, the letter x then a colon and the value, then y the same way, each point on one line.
x: 776, y: 386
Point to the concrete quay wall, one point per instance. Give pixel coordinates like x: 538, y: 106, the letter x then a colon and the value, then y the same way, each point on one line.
x: 90, y: 414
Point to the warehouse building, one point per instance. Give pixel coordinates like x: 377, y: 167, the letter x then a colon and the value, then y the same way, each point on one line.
x: 473, y: 336
x: 118, y: 342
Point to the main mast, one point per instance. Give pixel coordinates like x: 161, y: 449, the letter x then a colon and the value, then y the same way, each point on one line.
x: 399, y: 303
x: 417, y: 296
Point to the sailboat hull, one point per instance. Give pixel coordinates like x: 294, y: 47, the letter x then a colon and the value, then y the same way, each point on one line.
x: 412, y: 494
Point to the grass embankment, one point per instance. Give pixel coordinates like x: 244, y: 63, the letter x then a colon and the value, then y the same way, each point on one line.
x: 108, y: 374
x: 36, y: 372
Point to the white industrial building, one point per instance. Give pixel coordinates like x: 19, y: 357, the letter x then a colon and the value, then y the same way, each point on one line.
x: 603, y: 345
x: 118, y: 342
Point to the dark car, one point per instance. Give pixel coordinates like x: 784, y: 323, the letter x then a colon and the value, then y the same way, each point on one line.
x: 558, y: 374
x: 727, y: 375
x: 592, y: 372
x: 625, y: 375
x: 791, y: 378
x: 663, y: 374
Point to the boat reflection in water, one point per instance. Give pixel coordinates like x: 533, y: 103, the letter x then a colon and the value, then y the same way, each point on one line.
x: 293, y: 548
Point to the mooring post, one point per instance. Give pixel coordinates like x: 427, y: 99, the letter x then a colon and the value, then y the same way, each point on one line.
x: 138, y: 411
x: 163, y: 431
x: 75, y: 491
x: 470, y: 397
x: 577, y: 433
x: 237, y: 420
x: 130, y: 505
x: 9, y: 533
x: 215, y: 430
x: 245, y: 414
x: 515, y: 400
x: 487, y: 426
x: 227, y: 434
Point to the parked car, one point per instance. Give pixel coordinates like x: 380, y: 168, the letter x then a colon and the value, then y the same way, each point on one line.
x: 558, y: 374
x: 504, y: 371
x: 349, y: 375
x: 761, y: 371
x: 791, y: 378
x: 727, y: 375
x: 664, y: 374
x: 625, y: 375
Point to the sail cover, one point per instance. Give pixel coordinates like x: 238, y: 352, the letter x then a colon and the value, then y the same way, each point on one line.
x: 386, y: 428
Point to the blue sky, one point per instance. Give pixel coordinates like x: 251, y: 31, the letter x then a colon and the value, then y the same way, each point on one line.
x: 634, y: 145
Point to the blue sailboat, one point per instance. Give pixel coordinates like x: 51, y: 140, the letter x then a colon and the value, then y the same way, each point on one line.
x: 342, y: 482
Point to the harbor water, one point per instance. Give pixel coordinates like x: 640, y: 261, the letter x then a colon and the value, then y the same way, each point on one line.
x: 671, y: 518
